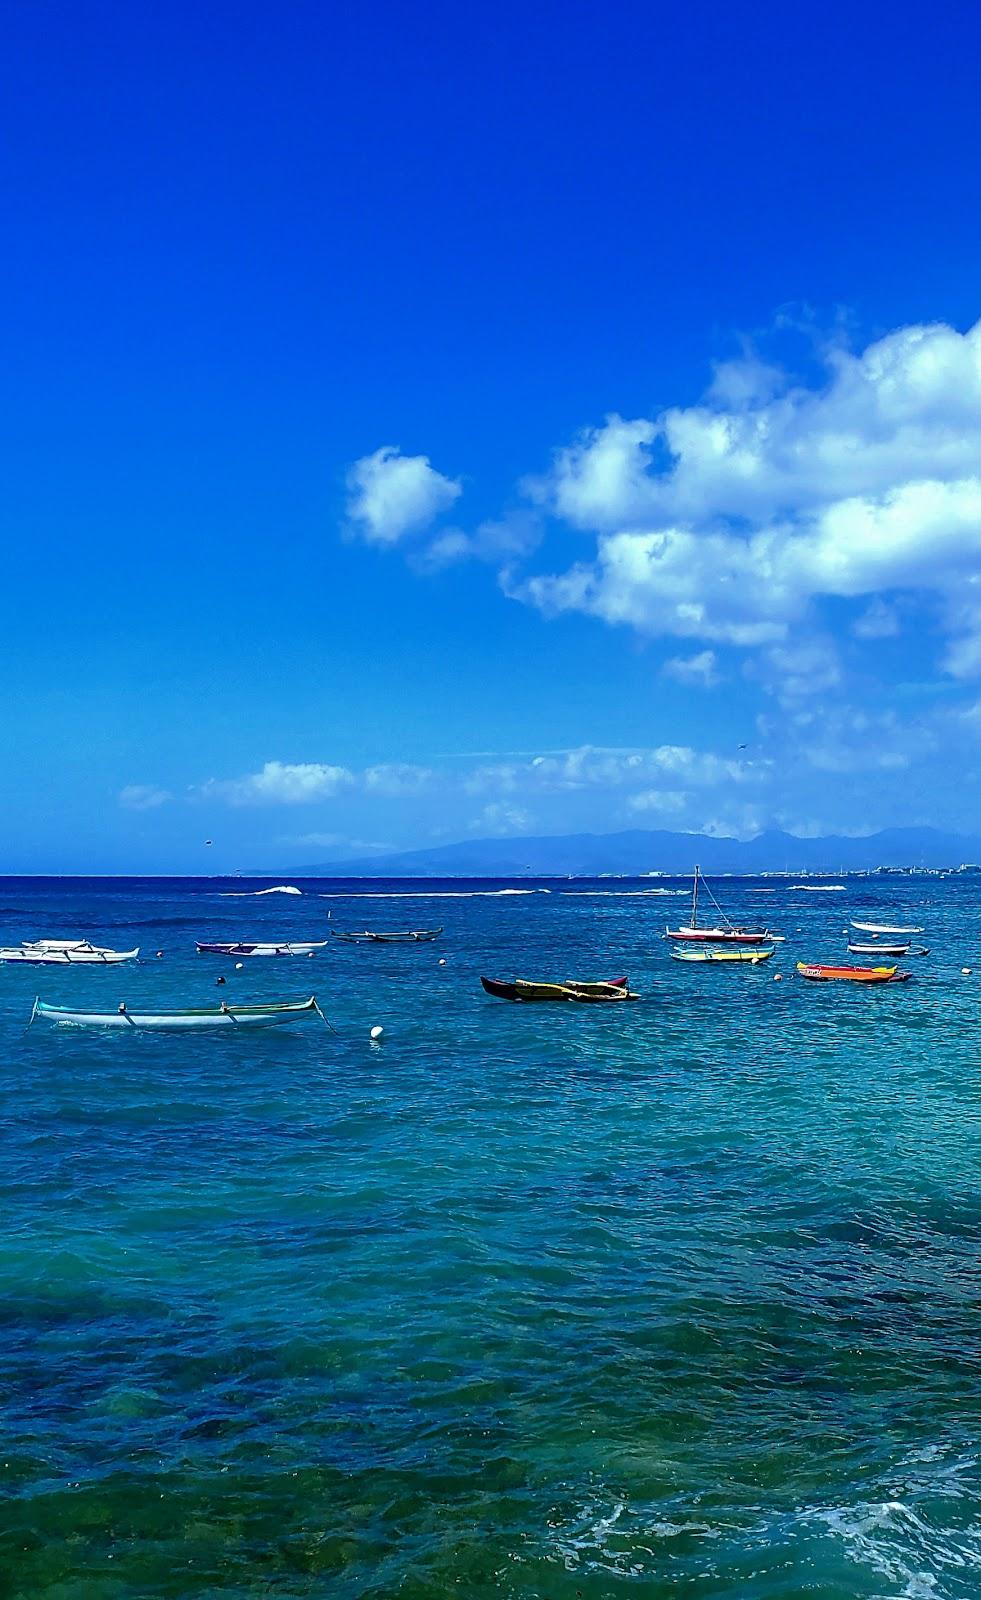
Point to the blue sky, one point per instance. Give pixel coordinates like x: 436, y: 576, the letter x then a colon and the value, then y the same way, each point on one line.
x: 431, y: 425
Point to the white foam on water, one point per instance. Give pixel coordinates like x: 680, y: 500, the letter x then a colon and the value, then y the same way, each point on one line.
x: 246, y: 894
x: 425, y: 894
x: 921, y: 1554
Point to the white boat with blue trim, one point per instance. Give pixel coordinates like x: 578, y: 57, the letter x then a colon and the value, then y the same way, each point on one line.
x: 226, y: 1015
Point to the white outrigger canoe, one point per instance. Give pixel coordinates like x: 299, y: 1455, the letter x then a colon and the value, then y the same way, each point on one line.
x: 66, y: 952
x: 291, y: 947
x: 881, y: 927
x: 223, y: 1016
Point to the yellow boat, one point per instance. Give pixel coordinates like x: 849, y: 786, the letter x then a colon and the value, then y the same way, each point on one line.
x: 752, y: 956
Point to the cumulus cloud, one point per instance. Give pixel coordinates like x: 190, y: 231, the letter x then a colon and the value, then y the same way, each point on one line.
x: 142, y: 797
x: 391, y: 495
x: 281, y: 783
x: 730, y: 520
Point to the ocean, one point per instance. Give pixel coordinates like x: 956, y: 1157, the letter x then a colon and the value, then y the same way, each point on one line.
x: 673, y: 1298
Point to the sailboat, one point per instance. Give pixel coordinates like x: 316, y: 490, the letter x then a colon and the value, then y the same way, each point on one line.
x: 724, y: 932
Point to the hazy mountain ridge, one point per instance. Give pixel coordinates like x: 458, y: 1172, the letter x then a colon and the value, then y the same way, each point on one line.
x: 641, y: 850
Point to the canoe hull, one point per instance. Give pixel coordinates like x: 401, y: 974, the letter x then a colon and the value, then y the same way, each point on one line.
x: 879, y: 927
x: 521, y: 990
x: 823, y: 974
x: 212, y: 1017
x: 292, y: 948
x: 743, y: 957
x: 64, y: 956
x: 717, y: 936
x: 419, y: 936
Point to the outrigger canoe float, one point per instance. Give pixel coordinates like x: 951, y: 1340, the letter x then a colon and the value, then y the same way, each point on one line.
x: 752, y: 956
x: 223, y: 1016
x: 66, y: 952
x: 871, y: 949
x: 852, y: 974
x: 521, y: 989
x: 291, y: 948
x: 724, y: 932
x: 412, y: 936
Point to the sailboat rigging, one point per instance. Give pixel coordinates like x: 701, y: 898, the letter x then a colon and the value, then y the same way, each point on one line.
x: 724, y: 932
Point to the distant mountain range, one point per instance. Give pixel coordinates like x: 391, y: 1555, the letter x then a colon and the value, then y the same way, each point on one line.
x: 639, y: 850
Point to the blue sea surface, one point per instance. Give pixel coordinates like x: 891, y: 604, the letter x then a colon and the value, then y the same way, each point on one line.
x: 681, y: 1297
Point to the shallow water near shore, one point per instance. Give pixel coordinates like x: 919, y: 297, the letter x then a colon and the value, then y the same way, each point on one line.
x: 579, y: 1301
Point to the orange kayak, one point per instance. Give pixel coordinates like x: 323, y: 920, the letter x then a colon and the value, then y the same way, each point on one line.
x: 852, y: 974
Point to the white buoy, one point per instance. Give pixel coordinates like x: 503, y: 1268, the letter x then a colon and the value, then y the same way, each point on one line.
x: 376, y: 1032
x: 777, y: 977
x: 442, y: 961
x: 967, y: 971
x: 239, y: 965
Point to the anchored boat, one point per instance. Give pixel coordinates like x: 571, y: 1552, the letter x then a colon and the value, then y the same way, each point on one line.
x: 66, y: 952
x: 520, y: 989
x: 292, y: 947
x: 411, y: 936
x: 881, y: 927
x: 752, y: 956
x: 852, y: 974
x: 859, y: 949
x: 223, y: 1016
x: 725, y: 932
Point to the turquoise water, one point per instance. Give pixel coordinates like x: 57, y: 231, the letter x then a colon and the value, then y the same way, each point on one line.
x: 673, y: 1298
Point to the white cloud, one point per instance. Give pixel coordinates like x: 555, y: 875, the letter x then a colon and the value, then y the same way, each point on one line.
x: 281, y: 783
x: 728, y: 521
x: 700, y: 669
x: 665, y: 800
x: 498, y: 541
x: 593, y: 767
x: 398, y: 779
x: 794, y: 671
x: 502, y: 819
x: 142, y: 797
x: 391, y: 495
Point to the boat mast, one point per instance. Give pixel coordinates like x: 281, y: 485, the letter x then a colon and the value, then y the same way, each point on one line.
x: 694, y: 901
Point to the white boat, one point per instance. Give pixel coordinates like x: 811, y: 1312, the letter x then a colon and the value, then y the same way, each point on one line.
x: 724, y: 932
x: 411, y: 936
x: 66, y: 952
x: 878, y: 948
x: 223, y: 1016
x: 881, y: 927
x: 290, y: 947
x: 817, y: 888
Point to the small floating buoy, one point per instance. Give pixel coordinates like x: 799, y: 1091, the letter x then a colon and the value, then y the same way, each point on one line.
x: 239, y: 965
x: 777, y: 977
x: 376, y: 1032
x: 442, y: 961
x: 159, y: 954
x: 219, y: 980
x: 967, y: 971
x: 311, y: 954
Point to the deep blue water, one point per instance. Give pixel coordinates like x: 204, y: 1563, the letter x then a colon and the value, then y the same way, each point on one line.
x: 679, y: 1297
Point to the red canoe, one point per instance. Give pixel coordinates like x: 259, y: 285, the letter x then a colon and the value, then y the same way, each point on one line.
x: 852, y: 974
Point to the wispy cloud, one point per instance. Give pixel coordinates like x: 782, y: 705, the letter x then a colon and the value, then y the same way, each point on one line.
x: 143, y: 797
x: 700, y: 669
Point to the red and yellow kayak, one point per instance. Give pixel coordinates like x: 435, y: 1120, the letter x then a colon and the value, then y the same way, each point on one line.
x: 809, y: 969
